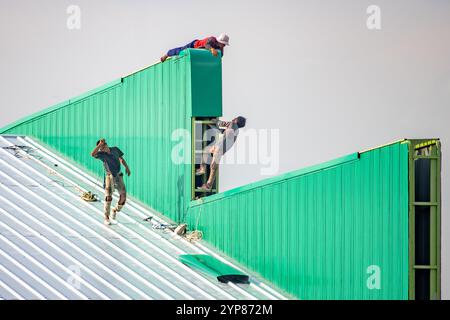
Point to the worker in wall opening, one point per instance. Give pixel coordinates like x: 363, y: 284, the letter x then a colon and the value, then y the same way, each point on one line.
x: 112, y: 157
x: 221, y: 145
x: 210, y: 43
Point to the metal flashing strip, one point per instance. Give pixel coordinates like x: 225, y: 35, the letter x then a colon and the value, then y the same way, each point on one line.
x: 384, y: 145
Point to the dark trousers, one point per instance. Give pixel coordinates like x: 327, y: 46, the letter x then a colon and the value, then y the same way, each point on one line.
x: 176, y: 51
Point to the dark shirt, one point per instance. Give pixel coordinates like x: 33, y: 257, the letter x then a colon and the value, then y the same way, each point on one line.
x: 111, y: 160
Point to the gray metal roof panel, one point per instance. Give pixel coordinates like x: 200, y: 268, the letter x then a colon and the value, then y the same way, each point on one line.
x: 53, y: 245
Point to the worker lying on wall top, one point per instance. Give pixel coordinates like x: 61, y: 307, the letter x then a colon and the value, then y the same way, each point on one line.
x: 218, y: 148
x: 211, y: 44
x: 112, y: 158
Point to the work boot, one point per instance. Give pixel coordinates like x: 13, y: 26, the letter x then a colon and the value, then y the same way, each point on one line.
x: 205, y: 187
x: 106, y: 220
x: 112, y: 218
x: 114, y: 213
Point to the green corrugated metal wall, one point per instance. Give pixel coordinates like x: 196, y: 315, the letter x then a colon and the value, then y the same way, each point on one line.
x: 138, y: 114
x: 315, y: 232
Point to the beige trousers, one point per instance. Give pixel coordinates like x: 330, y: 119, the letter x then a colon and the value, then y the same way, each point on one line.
x: 112, y: 183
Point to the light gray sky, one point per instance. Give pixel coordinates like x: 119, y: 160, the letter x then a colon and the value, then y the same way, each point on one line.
x: 311, y: 69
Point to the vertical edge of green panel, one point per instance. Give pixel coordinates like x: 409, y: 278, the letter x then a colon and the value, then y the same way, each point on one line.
x: 439, y: 218
x: 405, y: 217
x: 411, y: 223
x: 193, y: 156
x: 188, y: 124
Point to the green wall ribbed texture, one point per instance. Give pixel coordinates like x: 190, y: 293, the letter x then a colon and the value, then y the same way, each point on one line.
x: 139, y: 114
x: 315, y: 233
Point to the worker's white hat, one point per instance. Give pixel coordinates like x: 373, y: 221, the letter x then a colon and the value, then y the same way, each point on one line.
x: 224, y: 39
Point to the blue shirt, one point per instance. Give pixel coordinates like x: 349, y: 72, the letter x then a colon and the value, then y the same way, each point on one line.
x: 111, y: 160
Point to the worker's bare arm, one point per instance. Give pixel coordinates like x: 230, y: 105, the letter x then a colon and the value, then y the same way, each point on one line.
x: 124, y: 163
x: 209, y: 47
x: 97, y: 148
x: 213, y: 52
x: 222, y: 124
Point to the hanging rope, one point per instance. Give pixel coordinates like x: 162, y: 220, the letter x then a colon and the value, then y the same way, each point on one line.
x: 195, y: 235
x: 89, y: 197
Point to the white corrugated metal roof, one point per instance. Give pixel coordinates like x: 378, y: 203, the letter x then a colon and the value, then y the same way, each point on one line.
x: 53, y: 245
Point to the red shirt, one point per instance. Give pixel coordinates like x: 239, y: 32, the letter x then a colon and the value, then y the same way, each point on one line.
x: 202, y: 43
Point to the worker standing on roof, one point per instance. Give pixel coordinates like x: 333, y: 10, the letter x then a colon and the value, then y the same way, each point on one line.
x: 211, y: 44
x: 224, y: 143
x: 112, y: 158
